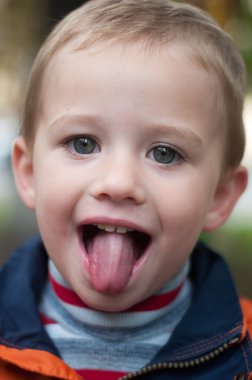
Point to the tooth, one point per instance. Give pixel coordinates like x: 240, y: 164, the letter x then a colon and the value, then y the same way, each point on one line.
x: 100, y: 226
x: 109, y: 228
x: 106, y: 227
x: 121, y: 230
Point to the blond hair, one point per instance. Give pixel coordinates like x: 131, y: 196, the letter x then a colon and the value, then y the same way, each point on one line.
x: 155, y: 22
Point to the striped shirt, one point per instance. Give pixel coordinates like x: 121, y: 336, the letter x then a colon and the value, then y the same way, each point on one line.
x: 108, y: 345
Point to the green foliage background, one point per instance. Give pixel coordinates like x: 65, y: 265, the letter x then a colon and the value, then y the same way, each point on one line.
x: 235, y: 243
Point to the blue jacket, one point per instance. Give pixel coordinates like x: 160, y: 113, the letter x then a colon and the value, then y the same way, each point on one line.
x: 211, y: 342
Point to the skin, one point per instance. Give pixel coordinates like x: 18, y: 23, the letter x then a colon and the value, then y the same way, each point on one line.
x: 129, y: 101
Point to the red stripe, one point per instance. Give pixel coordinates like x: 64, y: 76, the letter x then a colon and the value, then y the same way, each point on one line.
x: 89, y: 374
x: 67, y: 295
x: 45, y: 320
x: 151, y: 304
x: 157, y: 302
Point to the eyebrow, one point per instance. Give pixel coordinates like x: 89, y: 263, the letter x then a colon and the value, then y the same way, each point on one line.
x: 185, y: 134
x: 74, y: 119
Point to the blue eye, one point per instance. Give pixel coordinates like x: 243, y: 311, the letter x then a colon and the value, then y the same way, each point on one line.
x: 83, y: 145
x: 164, y: 154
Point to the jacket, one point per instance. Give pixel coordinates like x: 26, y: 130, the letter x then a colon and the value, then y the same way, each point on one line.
x: 211, y: 342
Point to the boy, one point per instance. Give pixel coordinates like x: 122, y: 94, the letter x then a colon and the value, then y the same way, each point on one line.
x: 131, y: 146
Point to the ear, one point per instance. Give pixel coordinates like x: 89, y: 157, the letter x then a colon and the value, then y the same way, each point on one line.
x: 227, y: 193
x: 23, y: 172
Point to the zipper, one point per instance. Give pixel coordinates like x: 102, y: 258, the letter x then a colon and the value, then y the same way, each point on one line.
x: 183, y: 364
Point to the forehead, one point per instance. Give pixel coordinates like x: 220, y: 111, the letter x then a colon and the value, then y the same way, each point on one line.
x: 151, y: 71
x: 119, y: 55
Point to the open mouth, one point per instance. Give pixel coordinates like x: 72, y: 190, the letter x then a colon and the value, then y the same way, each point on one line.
x: 113, y: 252
x: 139, y: 240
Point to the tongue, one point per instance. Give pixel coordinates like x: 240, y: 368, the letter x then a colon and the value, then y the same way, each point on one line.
x: 111, y: 261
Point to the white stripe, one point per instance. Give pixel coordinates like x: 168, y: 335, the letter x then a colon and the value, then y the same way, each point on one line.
x: 57, y: 276
x: 56, y: 331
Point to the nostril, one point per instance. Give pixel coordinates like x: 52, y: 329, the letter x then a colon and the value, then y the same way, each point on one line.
x: 118, y: 192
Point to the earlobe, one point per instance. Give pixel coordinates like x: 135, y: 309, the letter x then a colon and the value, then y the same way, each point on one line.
x: 226, y: 196
x: 23, y: 172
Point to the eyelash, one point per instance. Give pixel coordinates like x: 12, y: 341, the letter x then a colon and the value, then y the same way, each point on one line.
x: 156, y: 152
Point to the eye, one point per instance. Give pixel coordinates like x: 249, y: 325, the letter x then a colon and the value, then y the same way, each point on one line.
x: 83, y: 145
x: 164, y: 154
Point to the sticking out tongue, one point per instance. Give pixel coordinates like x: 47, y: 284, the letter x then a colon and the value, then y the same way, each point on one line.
x: 111, y: 261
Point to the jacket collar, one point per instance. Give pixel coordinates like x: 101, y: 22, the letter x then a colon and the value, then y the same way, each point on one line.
x: 214, y: 317
x: 22, y: 279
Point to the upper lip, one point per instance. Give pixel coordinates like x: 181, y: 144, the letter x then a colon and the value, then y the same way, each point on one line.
x: 114, y: 222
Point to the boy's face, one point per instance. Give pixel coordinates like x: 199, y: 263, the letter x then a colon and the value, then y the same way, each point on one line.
x: 126, y: 140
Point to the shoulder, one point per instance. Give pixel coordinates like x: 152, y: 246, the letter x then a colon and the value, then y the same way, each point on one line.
x: 246, y: 306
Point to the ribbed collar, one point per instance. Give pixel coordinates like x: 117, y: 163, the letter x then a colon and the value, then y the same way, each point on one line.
x: 173, y: 295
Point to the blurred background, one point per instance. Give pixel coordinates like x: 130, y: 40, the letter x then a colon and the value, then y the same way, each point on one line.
x: 23, y: 26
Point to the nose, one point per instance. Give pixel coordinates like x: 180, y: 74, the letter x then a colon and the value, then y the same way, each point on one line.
x: 118, y: 180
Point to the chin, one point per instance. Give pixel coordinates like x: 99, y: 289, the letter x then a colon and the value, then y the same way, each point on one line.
x: 110, y: 303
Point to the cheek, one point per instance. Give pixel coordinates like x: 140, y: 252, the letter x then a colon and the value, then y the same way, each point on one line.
x: 55, y: 196
x: 184, y: 208
x: 181, y: 224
